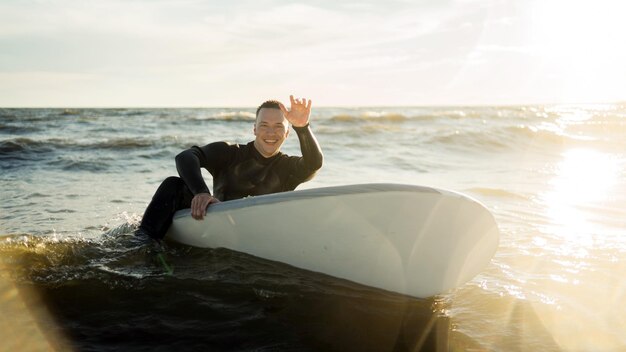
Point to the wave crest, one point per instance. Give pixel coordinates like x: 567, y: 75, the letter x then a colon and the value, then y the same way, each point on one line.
x: 370, y: 116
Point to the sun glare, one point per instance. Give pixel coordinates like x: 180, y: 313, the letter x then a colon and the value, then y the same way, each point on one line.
x: 583, y: 177
x: 583, y: 280
x: 580, y: 42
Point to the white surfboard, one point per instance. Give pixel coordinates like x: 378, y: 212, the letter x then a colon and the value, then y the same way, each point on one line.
x: 408, y: 239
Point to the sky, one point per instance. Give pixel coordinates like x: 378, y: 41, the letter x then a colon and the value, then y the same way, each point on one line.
x: 206, y: 53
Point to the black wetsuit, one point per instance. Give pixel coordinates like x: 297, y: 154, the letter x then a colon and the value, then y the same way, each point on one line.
x: 238, y: 171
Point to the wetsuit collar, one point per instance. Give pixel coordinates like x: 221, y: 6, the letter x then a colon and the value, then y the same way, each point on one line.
x: 258, y: 156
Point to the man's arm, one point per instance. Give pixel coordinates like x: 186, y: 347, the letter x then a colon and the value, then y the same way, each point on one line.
x: 298, y: 115
x: 312, y: 157
x: 188, y: 164
x: 188, y: 167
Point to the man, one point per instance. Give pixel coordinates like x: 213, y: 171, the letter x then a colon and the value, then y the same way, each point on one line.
x: 238, y: 170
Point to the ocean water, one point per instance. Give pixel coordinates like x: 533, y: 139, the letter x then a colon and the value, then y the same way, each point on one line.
x: 74, y: 184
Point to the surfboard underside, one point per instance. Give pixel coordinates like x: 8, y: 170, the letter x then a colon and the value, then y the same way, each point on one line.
x: 412, y: 240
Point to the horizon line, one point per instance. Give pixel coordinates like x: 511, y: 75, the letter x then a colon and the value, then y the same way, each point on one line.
x: 69, y: 107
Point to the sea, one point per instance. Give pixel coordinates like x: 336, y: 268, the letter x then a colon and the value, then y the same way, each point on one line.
x: 74, y: 184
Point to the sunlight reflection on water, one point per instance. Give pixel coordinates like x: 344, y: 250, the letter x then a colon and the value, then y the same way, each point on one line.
x: 584, y: 177
x: 585, y: 280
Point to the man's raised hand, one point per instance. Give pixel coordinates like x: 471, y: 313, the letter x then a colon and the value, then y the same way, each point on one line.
x: 298, y: 114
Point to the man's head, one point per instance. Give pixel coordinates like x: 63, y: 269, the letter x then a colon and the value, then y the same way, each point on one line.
x: 270, y: 128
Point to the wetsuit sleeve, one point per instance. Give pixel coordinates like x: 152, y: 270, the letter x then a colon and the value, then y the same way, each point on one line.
x: 212, y: 157
x: 312, y: 157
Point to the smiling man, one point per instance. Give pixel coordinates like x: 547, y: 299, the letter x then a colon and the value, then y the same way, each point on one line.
x: 238, y: 170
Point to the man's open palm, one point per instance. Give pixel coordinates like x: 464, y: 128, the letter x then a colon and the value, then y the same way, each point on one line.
x: 298, y: 114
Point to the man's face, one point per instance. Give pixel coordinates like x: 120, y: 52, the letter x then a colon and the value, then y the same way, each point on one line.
x: 271, y: 130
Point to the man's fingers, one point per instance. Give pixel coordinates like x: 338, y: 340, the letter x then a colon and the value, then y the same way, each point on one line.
x: 199, y: 204
x: 196, y: 209
x: 296, y: 102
